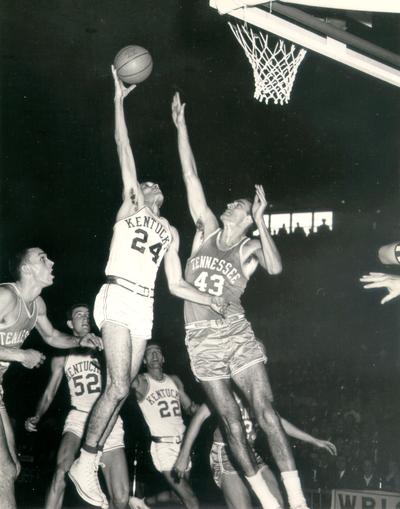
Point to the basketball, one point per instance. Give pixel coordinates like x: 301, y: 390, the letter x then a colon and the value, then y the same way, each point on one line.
x: 133, y: 64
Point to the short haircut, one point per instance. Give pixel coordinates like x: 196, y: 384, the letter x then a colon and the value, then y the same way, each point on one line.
x: 153, y: 343
x: 16, y: 261
x: 71, y: 309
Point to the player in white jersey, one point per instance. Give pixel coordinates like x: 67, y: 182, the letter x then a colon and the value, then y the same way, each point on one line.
x: 124, y: 306
x: 82, y: 371
x: 224, y: 353
x: 22, y: 309
x: 161, y: 397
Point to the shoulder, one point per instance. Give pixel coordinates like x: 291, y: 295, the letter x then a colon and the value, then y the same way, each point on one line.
x: 8, y: 300
x: 140, y: 385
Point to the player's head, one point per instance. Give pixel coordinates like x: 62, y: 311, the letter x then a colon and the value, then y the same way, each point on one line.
x: 152, y: 193
x: 238, y: 213
x: 32, y: 263
x: 78, y: 319
x: 153, y: 356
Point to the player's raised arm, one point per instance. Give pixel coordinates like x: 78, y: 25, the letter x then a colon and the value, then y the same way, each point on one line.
x: 182, y: 461
x: 179, y: 287
x: 199, y: 209
x: 132, y: 194
x: 295, y: 432
x: 58, y: 339
x: 267, y: 253
x: 57, y: 372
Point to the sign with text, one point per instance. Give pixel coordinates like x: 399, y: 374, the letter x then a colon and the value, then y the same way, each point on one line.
x: 350, y: 499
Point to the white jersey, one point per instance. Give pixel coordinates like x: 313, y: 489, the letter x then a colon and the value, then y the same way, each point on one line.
x: 138, y: 245
x: 161, y: 407
x: 84, y: 380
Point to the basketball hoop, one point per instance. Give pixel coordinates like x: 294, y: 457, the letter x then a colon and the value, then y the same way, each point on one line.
x: 274, y: 69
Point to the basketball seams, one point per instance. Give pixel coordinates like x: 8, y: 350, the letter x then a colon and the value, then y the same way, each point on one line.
x: 134, y: 57
x: 138, y: 72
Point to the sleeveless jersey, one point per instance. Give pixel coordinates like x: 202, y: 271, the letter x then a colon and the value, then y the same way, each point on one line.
x: 138, y: 245
x: 84, y: 379
x: 14, y: 335
x: 161, y: 407
x: 249, y: 422
x: 217, y: 272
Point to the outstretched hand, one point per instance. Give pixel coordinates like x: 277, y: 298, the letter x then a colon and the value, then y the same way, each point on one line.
x: 31, y: 423
x: 328, y: 446
x: 121, y: 91
x: 381, y: 280
x: 178, y: 110
x: 259, y: 203
x: 137, y: 503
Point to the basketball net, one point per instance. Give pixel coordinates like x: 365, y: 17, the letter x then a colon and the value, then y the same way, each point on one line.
x: 274, y: 69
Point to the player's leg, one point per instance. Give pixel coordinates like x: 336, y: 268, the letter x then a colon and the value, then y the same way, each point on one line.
x: 8, y: 471
x: 220, y: 395
x: 67, y: 452
x: 118, y: 353
x: 137, y: 349
x: 236, y: 493
x: 183, y: 489
x: 115, y: 471
x: 255, y: 386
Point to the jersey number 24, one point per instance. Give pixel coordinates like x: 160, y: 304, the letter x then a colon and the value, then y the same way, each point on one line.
x: 140, y: 241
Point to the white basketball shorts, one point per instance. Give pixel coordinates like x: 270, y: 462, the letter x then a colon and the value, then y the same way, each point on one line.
x: 76, y: 423
x: 118, y: 305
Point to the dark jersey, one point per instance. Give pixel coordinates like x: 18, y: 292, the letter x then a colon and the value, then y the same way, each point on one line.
x: 217, y: 272
x: 14, y: 335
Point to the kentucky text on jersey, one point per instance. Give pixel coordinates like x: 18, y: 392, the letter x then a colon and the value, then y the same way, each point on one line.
x: 148, y: 222
x: 162, y: 393
x: 13, y: 337
x: 214, y: 263
x: 88, y: 366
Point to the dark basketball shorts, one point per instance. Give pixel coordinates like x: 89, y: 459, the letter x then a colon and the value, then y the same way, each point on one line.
x: 222, y: 348
x: 221, y: 464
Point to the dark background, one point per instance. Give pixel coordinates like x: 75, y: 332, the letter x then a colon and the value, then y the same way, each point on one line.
x: 334, y: 147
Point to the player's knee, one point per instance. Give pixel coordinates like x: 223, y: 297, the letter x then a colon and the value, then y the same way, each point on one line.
x: 117, y: 390
x: 233, y: 427
x: 266, y: 415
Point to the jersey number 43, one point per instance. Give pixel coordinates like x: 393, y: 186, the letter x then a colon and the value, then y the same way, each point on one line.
x: 213, y: 284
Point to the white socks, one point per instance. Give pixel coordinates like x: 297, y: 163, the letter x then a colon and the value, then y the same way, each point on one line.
x: 293, y: 489
x: 260, y: 488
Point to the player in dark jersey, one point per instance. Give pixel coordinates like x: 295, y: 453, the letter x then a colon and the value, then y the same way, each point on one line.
x: 82, y: 370
x: 223, y: 351
x: 21, y: 309
x: 226, y: 477
x: 124, y: 305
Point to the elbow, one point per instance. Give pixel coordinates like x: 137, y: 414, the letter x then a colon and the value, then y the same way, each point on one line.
x: 174, y: 289
x: 276, y: 269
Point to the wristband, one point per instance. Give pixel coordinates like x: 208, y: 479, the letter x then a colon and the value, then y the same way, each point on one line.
x: 397, y: 252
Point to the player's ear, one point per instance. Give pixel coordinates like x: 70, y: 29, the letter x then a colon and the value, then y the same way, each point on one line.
x: 69, y: 323
x: 25, y: 269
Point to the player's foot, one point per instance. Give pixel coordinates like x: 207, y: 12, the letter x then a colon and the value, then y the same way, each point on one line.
x: 83, y: 473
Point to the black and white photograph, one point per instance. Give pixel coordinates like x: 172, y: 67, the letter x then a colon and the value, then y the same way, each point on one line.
x: 200, y: 254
